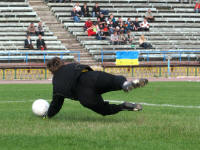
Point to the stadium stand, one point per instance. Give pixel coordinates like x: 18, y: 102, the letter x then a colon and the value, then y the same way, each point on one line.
x: 175, y: 26
x: 15, y: 17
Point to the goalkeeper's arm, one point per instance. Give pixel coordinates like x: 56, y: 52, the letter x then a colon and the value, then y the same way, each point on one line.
x: 55, y: 106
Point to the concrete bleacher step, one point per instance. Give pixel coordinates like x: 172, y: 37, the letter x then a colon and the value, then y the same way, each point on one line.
x: 68, y: 40
x: 175, y: 27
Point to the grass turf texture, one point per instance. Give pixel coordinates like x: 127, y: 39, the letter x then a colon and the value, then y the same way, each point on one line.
x: 74, y: 128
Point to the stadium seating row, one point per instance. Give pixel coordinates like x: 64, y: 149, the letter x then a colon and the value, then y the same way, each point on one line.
x: 175, y: 26
x: 15, y: 17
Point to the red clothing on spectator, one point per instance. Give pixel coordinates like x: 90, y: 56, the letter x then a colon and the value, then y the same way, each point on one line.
x: 88, y: 24
x: 105, y: 29
x: 91, y: 32
x: 197, y: 6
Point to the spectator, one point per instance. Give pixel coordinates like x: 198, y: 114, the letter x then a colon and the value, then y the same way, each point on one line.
x: 92, y: 30
x: 88, y: 24
x: 144, y: 25
x: 143, y: 43
x: 197, y: 8
x: 96, y: 10
x: 129, y: 37
x: 31, y: 29
x: 114, y: 38
x: 112, y: 19
x: 28, y: 43
x: 39, y: 29
x: 41, y: 43
x: 85, y: 10
x: 78, y: 8
x: 111, y: 28
x: 136, y: 25
x: 122, y: 38
x: 119, y: 22
x: 75, y: 15
x: 105, y: 29
x: 102, y: 18
x: 149, y: 16
x: 100, y: 34
x: 129, y: 25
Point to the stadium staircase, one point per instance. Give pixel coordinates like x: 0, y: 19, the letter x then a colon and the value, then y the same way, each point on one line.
x: 67, y: 39
x: 176, y: 26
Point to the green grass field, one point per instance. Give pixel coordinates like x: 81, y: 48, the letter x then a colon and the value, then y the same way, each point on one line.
x: 77, y: 128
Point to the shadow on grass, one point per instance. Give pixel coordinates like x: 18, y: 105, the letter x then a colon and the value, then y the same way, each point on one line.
x: 93, y: 117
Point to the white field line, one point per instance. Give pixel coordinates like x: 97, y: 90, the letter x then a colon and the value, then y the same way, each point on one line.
x: 116, y: 101
x: 158, y: 105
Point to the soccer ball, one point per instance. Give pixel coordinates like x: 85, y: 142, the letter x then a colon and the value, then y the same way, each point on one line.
x: 40, y: 107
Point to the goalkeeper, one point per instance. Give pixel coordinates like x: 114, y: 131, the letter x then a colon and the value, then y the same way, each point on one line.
x: 80, y: 82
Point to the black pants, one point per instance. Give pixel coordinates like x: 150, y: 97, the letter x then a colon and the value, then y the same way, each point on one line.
x: 94, y: 83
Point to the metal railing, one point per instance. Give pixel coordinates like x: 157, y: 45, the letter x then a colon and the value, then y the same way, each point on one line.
x: 43, y: 53
x: 163, y: 54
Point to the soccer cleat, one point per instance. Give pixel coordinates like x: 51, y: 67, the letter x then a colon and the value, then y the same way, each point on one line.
x: 131, y: 107
x: 129, y: 85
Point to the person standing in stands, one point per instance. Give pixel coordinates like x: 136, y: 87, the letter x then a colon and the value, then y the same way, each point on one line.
x: 96, y: 10
x: 41, y: 45
x: 28, y: 43
x: 31, y: 29
x: 39, y: 29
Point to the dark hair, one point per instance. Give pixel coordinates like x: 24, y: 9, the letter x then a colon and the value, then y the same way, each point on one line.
x: 54, y: 64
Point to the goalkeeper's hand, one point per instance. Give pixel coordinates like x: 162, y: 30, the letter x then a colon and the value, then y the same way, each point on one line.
x: 45, y: 116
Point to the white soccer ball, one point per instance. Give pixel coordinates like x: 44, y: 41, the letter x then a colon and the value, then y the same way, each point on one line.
x: 40, y: 107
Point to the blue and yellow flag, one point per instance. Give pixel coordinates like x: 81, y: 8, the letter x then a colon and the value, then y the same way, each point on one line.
x: 127, y: 58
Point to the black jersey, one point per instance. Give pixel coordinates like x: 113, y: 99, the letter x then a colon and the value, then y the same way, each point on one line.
x: 65, y: 79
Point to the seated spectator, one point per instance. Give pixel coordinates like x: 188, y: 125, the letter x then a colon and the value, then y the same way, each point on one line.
x: 112, y: 19
x: 119, y: 22
x: 122, y: 38
x: 85, y: 10
x: 129, y: 37
x: 144, y: 25
x: 88, y: 24
x: 92, y: 30
x: 39, y: 29
x: 96, y: 10
x: 41, y: 45
x: 117, y: 29
x: 105, y: 30
x: 100, y: 34
x: 128, y: 25
x: 31, y: 29
x: 78, y: 8
x: 149, y: 16
x: 111, y: 28
x: 75, y: 15
x: 143, y: 43
x: 136, y: 25
x: 197, y: 8
x: 102, y: 18
x: 28, y: 43
x: 114, y: 39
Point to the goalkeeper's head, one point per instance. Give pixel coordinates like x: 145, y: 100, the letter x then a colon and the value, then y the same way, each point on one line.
x: 54, y: 64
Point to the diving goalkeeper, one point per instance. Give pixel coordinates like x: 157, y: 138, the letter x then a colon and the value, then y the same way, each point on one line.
x: 80, y: 82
